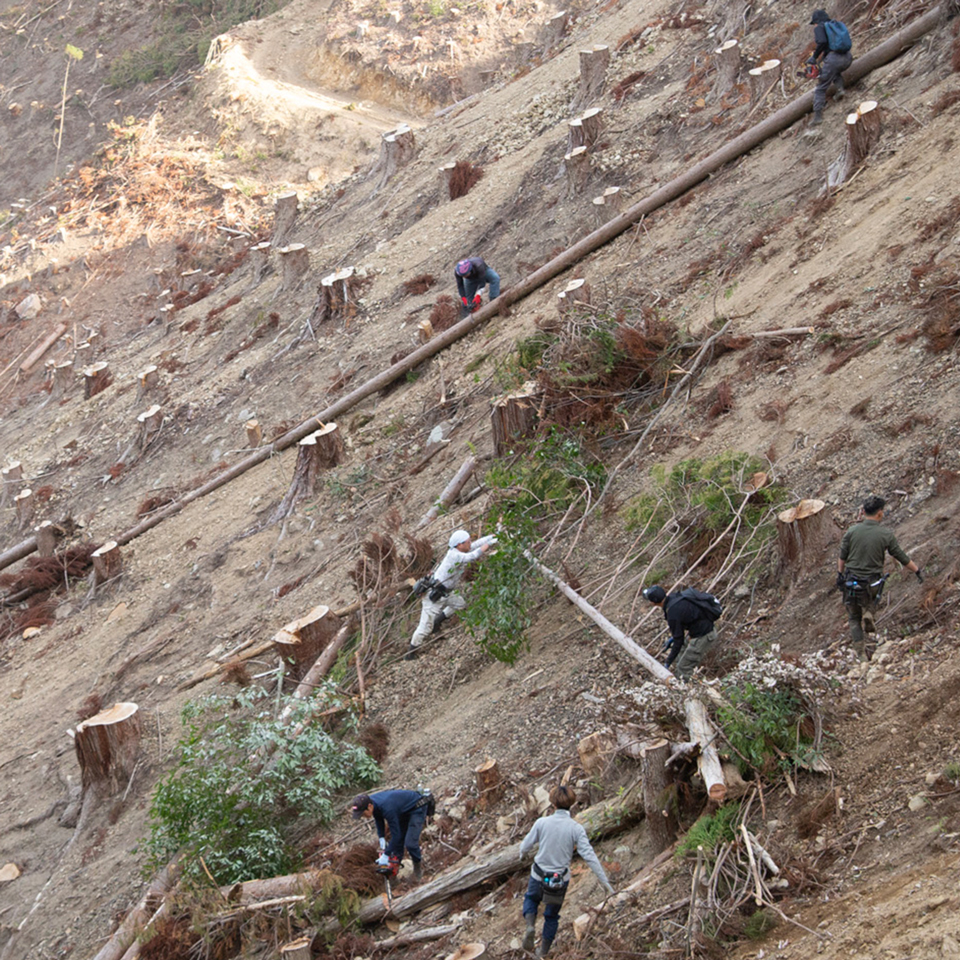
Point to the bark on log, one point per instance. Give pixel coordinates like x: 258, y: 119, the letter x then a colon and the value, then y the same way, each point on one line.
x: 150, y: 423
x: 64, y: 377
x: 728, y: 67
x: 284, y: 217
x: 553, y: 30
x: 575, y: 295
x: 107, y: 748
x: 593, y: 73
x: 709, y: 760
x: 294, y: 264
x: 450, y: 492
x: 577, y: 170
x: 260, y: 258
x: 254, y: 433
x: 107, y: 562
x: 148, y: 381
x: 318, y: 451
x: 46, y: 534
x: 763, y: 79
x: 489, y: 784
x: 96, y: 377
x: 863, y: 131
x: 397, y: 149
x: 514, y: 418
x: 25, y: 503
x: 11, y: 477
x: 409, y: 937
x: 804, y: 532
x: 302, y: 640
x: 659, y: 796
x: 44, y: 345
x: 614, y: 814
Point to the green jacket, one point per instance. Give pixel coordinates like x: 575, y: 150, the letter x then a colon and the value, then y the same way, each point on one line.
x: 864, y: 548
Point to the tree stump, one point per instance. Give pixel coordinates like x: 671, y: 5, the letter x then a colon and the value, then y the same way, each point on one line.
x: 46, y: 534
x: 445, y: 172
x: 803, y: 534
x: 334, y: 300
x: 397, y: 149
x: 297, y: 949
x: 575, y: 295
x: 294, y: 264
x: 302, y: 641
x: 863, y: 131
x: 593, y: 73
x: 608, y: 205
x: 763, y: 79
x: 728, y: 67
x: 25, y: 503
x: 107, y: 748
x: 107, y: 563
x: 514, y: 418
x: 523, y: 52
x: 254, y: 433
x: 284, y: 216
x: 659, y: 796
x: 260, y: 258
x: 424, y: 331
x: 489, y: 784
x: 585, y: 129
x: 11, y: 475
x: 96, y: 378
x: 63, y: 378
x: 553, y: 30
x: 148, y: 381
x: 316, y: 452
x: 596, y: 753
x: 150, y: 422
x: 577, y: 167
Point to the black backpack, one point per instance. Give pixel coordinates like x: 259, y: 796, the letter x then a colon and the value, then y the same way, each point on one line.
x: 706, y: 603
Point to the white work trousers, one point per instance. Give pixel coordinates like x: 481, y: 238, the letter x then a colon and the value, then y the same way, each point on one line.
x: 430, y: 609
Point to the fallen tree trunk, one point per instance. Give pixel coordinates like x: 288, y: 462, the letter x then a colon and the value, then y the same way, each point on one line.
x: 711, y: 769
x: 450, y: 492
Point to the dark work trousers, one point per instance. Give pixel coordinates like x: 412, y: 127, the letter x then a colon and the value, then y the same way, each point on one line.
x: 860, y: 602
x: 833, y: 65
x: 412, y: 824
x: 552, y: 902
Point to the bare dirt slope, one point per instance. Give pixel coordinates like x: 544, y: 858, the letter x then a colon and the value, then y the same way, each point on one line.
x: 299, y: 100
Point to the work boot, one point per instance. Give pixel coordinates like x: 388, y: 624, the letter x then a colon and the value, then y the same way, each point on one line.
x: 544, y: 948
x: 411, y: 653
x: 417, y: 870
x: 438, y: 623
x: 839, y: 92
x: 817, y: 118
x: 530, y: 935
x: 860, y: 650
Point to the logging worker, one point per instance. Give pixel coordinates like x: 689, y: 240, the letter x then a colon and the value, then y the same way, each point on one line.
x: 440, y: 599
x: 687, y: 612
x: 404, y: 812
x: 860, y: 579
x: 832, y: 55
x: 558, y: 838
x: 473, y: 275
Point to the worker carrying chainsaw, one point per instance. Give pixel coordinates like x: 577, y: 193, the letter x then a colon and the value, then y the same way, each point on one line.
x: 558, y: 838
x: 690, y: 612
x: 860, y: 578
x: 832, y: 56
x: 440, y: 599
x: 473, y: 275
x: 405, y: 812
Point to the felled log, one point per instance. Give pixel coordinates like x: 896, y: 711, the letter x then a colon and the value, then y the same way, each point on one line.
x: 576, y: 166
x: 25, y: 502
x: 260, y: 258
x: 863, y: 131
x: 489, y: 783
x: 659, y: 797
x: 148, y: 380
x: 45, y: 344
x: 284, y: 216
x: 254, y: 433
x: 409, y: 937
x: 576, y: 294
x: 11, y: 477
x: 316, y: 452
x: 150, y: 421
x: 450, y: 492
x: 763, y: 79
x: 294, y: 264
x: 96, y: 377
x: 514, y: 417
x: 593, y: 73
x: 63, y: 378
x: 397, y: 149
x: 301, y: 641
x: 107, y: 563
x: 697, y: 721
x: 107, y: 747
x: 616, y: 813
x: 804, y: 532
x: 728, y: 66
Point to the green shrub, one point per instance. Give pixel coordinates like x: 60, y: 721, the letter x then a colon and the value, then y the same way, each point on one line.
x: 711, y: 830
x: 759, y: 924
x: 230, y: 804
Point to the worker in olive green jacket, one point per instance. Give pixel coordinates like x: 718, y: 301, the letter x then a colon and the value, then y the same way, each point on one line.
x: 863, y: 550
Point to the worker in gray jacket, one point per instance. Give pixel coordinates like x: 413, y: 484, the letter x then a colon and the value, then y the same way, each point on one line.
x: 440, y: 600
x: 559, y: 836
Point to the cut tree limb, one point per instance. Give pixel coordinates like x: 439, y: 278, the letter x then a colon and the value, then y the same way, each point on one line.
x: 450, y: 492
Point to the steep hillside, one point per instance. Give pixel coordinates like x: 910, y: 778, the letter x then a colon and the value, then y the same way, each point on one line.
x: 141, y: 256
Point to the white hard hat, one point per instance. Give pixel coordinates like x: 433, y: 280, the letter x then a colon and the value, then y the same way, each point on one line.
x: 458, y: 537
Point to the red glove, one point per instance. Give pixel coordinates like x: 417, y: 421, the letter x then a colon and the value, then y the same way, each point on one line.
x: 464, y: 299
x: 476, y: 301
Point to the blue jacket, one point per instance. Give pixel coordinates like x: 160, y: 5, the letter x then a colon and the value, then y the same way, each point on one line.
x: 478, y: 271
x: 389, y: 807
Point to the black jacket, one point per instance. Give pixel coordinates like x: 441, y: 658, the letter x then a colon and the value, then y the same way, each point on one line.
x: 683, y: 615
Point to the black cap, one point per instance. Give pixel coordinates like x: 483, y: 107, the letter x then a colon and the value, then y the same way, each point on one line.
x: 360, y: 803
x: 819, y: 16
x: 655, y: 594
x: 873, y: 505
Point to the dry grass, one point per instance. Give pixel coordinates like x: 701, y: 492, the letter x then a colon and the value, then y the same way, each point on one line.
x: 445, y: 313
x: 419, y: 284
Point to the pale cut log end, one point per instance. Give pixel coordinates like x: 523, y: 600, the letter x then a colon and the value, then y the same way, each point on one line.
x: 718, y: 792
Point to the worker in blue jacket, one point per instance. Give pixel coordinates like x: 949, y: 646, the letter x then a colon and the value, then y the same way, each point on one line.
x: 473, y: 275
x: 405, y: 813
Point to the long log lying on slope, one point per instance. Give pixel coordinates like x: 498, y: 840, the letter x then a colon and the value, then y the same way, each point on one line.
x: 783, y: 118
x: 701, y: 730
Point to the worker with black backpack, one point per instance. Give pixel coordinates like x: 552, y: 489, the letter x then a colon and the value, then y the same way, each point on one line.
x: 690, y: 612
x: 832, y: 55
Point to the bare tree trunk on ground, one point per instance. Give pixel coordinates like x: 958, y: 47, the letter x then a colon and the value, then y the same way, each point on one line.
x: 450, y: 492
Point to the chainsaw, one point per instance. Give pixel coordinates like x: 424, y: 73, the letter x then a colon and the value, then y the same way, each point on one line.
x: 388, y: 868
x: 809, y: 71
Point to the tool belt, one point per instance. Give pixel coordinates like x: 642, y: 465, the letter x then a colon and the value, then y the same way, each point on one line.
x: 427, y: 800
x: 862, y: 592
x: 434, y: 589
x: 553, y: 880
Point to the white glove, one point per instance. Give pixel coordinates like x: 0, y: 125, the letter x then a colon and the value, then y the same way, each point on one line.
x: 383, y: 843
x: 383, y: 860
